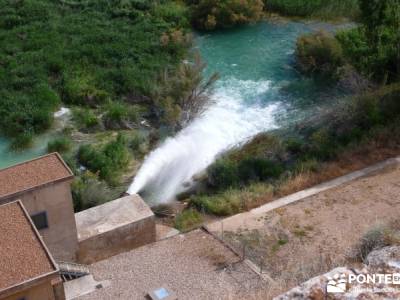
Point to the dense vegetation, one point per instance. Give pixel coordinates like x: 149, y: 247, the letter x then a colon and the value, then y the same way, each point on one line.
x: 84, y: 53
x: 326, y: 9
x: 213, y: 14
x: 373, y: 48
x: 216, y: 14
x: 108, y: 161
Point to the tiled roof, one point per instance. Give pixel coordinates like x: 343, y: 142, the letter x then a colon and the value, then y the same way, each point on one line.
x: 33, y: 173
x: 23, y: 256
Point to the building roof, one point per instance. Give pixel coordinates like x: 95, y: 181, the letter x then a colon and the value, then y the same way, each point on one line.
x: 23, y: 255
x: 111, y: 215
x: 33, y: 173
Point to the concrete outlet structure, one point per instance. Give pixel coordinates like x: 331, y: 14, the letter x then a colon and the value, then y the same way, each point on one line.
x: 114, y: 227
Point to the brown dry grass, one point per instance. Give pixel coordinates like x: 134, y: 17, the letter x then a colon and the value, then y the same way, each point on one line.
x: 358, y: 158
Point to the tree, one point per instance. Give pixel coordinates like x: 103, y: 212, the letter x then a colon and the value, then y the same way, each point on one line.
x: 184, y: 95
x: 381, y: 22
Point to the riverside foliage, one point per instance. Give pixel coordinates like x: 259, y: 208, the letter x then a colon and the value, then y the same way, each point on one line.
x: 373, y: 48
x: 213, y: 14
x: 326, y: 9
x: 84, y: 53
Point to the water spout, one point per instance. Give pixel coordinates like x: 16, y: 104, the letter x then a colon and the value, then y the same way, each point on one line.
x: 169, y: 169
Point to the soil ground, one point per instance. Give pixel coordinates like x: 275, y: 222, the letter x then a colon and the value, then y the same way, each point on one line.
x: 301, y: 240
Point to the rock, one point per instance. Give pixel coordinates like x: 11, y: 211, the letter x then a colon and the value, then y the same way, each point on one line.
x: 383, y: 261
x: 385, y: 257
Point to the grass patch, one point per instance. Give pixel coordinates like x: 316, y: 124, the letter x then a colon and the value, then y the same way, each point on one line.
x: 377, y: 237
x: 233, y: 201
x: 85, y: 119
x: 300, y: 233
x: 188, y: 220
x: 60, y: 144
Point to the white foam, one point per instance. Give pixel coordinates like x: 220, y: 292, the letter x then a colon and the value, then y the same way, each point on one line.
x: 168, y: 169
x: 61, y: 112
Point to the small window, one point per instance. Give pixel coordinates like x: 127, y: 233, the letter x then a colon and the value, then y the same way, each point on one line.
x: 40, y: 220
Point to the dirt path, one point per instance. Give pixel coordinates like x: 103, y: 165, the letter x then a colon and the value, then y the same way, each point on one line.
x: 297, y: 241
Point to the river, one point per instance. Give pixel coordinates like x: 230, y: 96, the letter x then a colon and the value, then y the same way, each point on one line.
x: 258, y: 90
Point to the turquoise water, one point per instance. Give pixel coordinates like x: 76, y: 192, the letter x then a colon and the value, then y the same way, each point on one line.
x: 258, y: 90
x: 9, y: 158
x: 250, y: 56
x: 39, y: 145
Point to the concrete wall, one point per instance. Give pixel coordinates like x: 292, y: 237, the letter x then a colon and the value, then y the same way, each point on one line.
x: 56, y: 199
x: 43, y: 291
x: 118, y: 240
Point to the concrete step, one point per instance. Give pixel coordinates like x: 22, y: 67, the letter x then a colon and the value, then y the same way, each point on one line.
x: 82, y: 286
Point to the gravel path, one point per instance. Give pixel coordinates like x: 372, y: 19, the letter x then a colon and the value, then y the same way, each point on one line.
x: 194, y: 266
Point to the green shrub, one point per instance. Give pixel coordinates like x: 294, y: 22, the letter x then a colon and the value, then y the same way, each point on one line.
x: 182, y: 94
x: 24, y: 116
x: 85, y: 119
x: 223, y: 204
x: 81, y: 89
x: 223, y: 174
x: 376, y: 238
x: 254, y: 169
x: 70, y: 160
x: 117, y: 152
x: 172, y: 12
x: 188, y: 220
x: 108, y: 161
x: 355, y: 48
x: 138, y: 143
x: 233, y: 201
x: 120, y: 115
x: 88, y: 191
x: 60, y: 144
x: 319, y: 53
x: 373, y: 47
x: 212, y: 14
x: 294, y: 145
x: 376, y: 108
x: 322, y: 144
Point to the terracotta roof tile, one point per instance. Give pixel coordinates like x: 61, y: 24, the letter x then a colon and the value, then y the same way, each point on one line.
x: 22, y: 254
x: 33, y: 173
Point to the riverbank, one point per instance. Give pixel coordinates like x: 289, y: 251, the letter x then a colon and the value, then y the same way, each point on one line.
x: 236, y: 201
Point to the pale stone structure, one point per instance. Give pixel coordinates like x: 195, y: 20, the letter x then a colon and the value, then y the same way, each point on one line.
x: 114, y: 227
